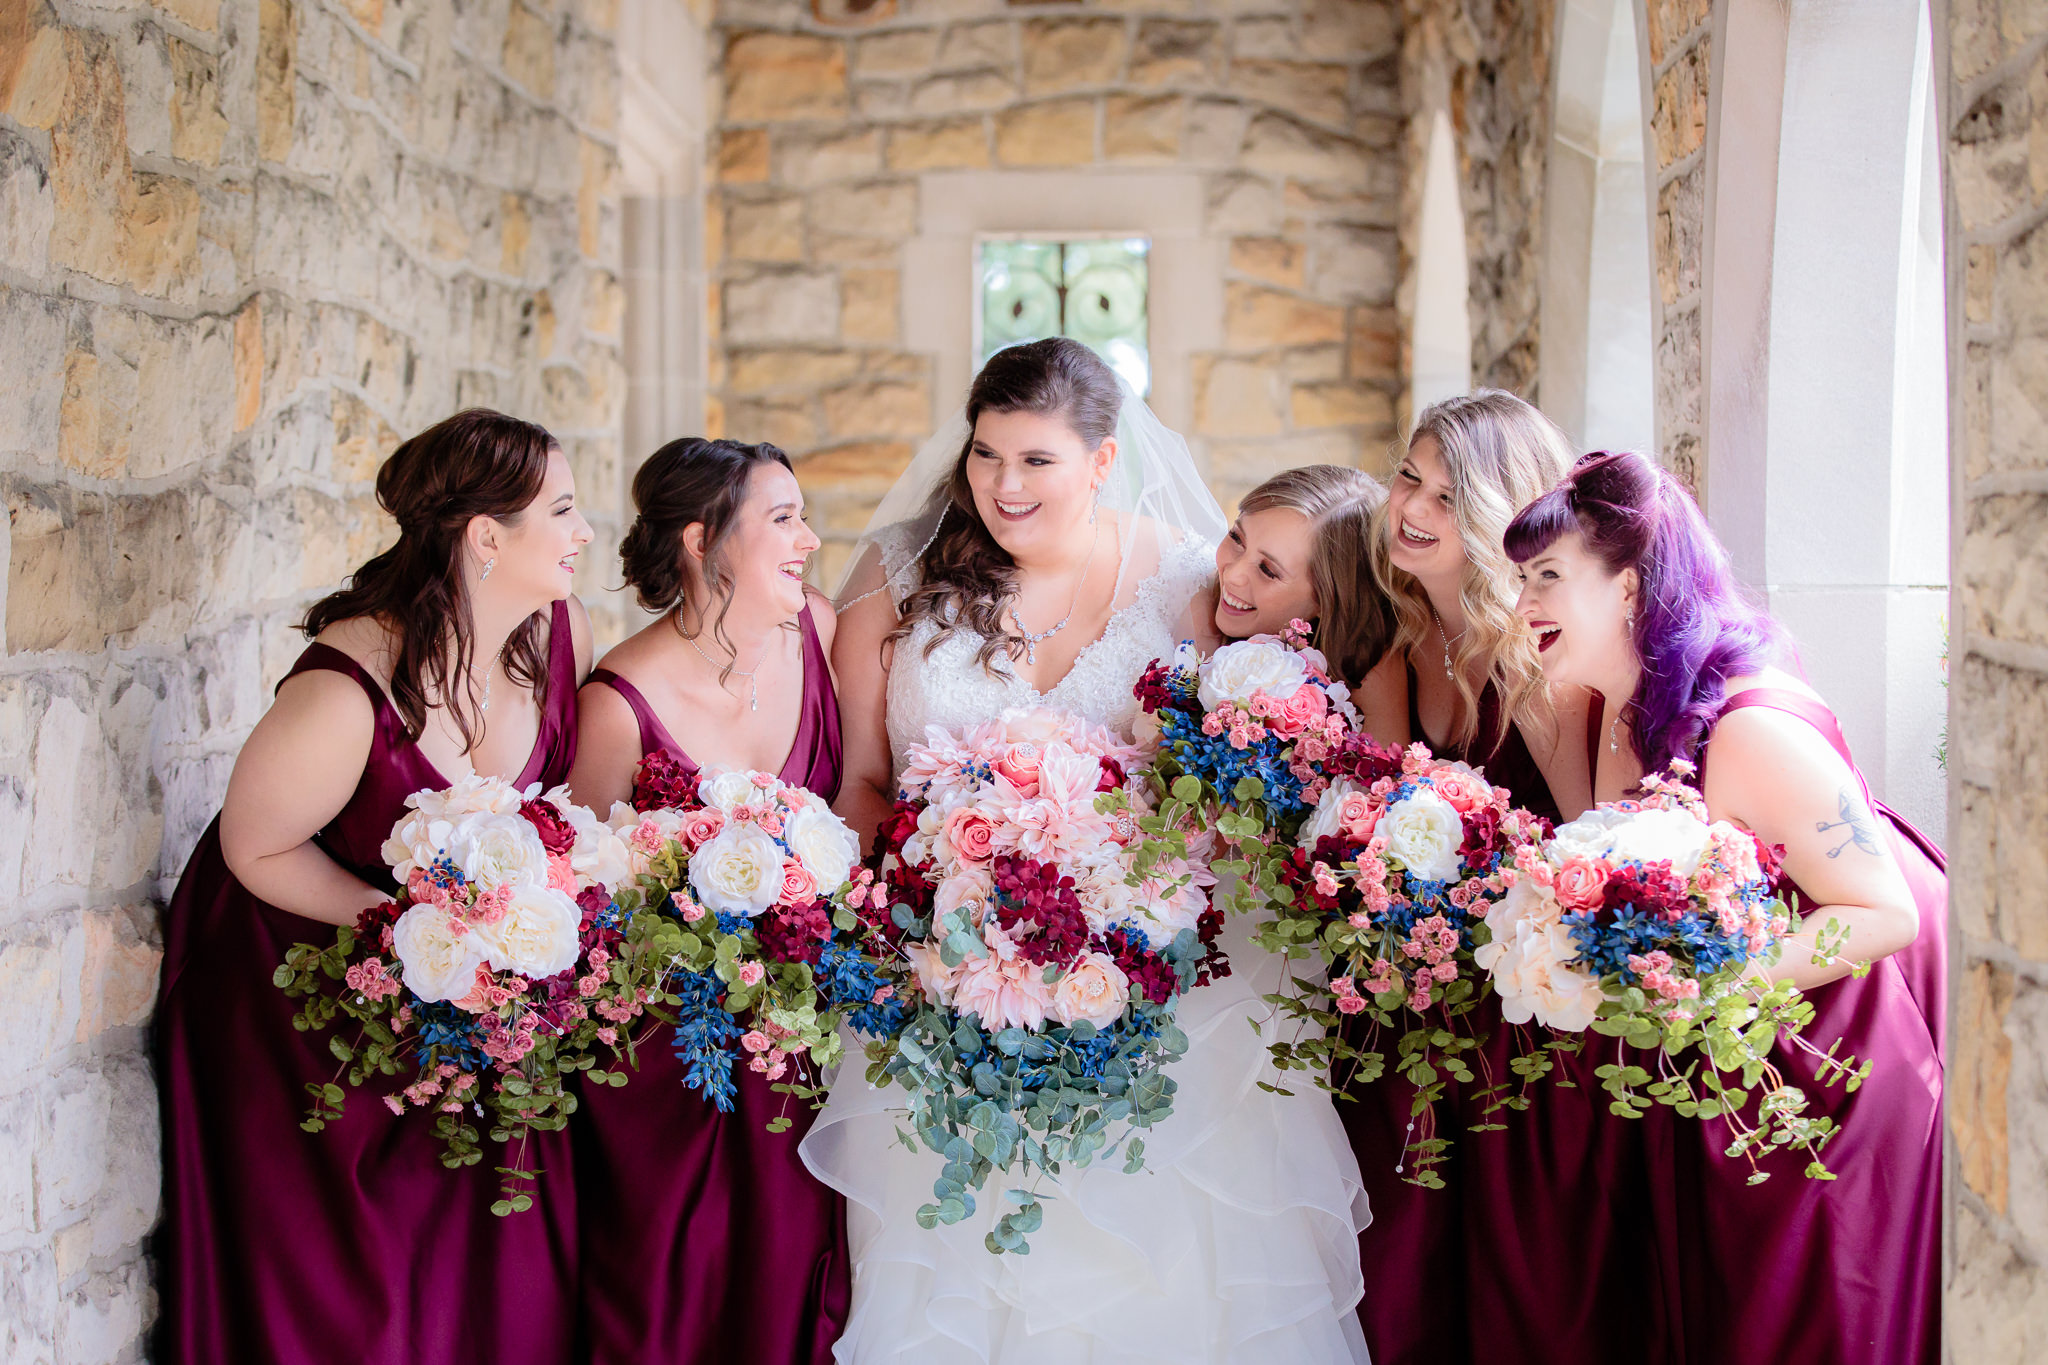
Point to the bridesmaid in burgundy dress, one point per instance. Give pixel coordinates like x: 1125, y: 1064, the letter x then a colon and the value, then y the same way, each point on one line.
x: 457, y: 650
x: 1632, y: 596
x: 1438, y: 1263
x: 704, y: 1239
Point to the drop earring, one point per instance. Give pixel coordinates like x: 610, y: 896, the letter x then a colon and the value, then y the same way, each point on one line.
x: 489, y: 564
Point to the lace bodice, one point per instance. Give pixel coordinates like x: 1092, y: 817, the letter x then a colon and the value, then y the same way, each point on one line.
x: 949, y: 689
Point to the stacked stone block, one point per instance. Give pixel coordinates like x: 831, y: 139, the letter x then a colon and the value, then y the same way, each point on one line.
x: 245, y: 247
x: 1288, y: 108
x: 1995, y: 106
x: 1680, y: 56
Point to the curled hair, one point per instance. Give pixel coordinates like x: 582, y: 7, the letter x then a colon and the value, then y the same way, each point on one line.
x: 477, y: 463
x: 965, y: 579
x: 1501, y: 454
x: 1695, y: 628
x: 688, y: 481
x: 1354, y: 622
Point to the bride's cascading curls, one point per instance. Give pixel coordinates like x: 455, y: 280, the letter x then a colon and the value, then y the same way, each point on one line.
x: 1049, y: 905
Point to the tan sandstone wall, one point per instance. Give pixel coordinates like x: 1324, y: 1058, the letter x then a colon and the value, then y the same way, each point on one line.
x: 1289, y: 109
x: 1680, y: 56
x: 1996, y: 109
x: 244, y: 246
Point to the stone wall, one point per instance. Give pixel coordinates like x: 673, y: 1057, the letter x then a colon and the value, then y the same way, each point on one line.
x: 1288, y: 110
x: 1996, y: 107
x: 1680, y: 57
x: 245, y: 245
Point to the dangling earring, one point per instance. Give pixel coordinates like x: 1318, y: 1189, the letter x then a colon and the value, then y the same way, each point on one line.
x: 1628, y: 622
x: 1096, y: 505
x: 489, y: 564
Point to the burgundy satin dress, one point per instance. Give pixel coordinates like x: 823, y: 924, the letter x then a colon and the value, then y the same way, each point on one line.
x: 281, y: 1247
x: 704, y: 1238
x: 1465, y: 1273
x: 1841, y: 1272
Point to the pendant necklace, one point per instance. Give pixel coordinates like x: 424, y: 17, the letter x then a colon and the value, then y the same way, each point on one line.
x: 1449, y: 676
x: 753, y: 688
x: 491, y: 673
x: 1031, y: 639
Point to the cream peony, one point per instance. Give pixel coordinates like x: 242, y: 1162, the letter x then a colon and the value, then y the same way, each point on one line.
x: 730, y: 789
x: 824, y: 844
x: 473, y: 795
x: 1423, y: 832
x: 1677, y: 836
x: 1237, y: 670
x: 497, y: 850
x: 440, y: 964
x: 537, y: 936
x: 1528, y: 959
x: 1592, y: 835
x: 739, y: 872
x: 1094, y: 989
x: 599, y: 855
x: 1327, y: 822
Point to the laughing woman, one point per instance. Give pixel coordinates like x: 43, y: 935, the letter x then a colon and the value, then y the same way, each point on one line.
x: 1300, y: 549
x: 279, y: 1247
x: 704, y: 1238
x: 1632, y: 596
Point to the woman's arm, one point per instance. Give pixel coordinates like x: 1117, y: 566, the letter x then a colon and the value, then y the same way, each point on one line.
x: 860, y: 666
x: 1777, y: 775
x: 607, y: 748
x: 1382, y: 701
x: 301, y: 765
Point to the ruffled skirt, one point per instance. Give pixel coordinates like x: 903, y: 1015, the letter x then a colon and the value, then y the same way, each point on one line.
x: 1238, y: 1242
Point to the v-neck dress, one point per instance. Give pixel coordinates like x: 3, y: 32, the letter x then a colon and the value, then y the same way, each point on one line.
x: 281, y: 1247
x: 704, y: 1239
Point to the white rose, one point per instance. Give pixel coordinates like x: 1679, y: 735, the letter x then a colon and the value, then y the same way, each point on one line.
x: 536, y: 937
x: 1237, y: 670
x: 473, y: 795
x: 823, y: 843
x: 415, y: 842
x: 1592, y: 835
x: 738, y: 872
x: 439, y: 963
x: 1423, y: 832
x: 730, y: 789
x: 1094, y: 989
x: 1659, y: 835
x: 1326, y: 822
x: 494, y: 850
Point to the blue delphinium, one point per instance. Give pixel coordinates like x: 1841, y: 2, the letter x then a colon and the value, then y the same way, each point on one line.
x: 1215, y: 761
x: 848, y: 980
x: 448, y: 1034
x: 705, y: 1034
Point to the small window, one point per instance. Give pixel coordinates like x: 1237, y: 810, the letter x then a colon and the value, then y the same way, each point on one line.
x: 1090, y: 289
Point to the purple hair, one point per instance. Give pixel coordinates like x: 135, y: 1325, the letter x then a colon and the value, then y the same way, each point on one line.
x: 1695, y: 627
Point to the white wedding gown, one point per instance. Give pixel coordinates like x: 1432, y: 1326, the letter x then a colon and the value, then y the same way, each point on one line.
x: 1238, y: 1242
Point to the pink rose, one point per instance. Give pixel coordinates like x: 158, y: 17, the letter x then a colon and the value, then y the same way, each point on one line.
x: 971, y: 833
x: 755, y: 1041
x: 799, y: 887
x: 561, y: 876
x: 1305, y: 708
x: 1580, y: 882
x: 700, y: 826
x: 1354, y: 815
x: 1350, y: 1004
x: 1018, y: 764
x: 1466, y: 791
x: 751, y: 973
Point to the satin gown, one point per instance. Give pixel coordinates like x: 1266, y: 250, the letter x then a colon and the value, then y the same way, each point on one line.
x: 281, y: 1247
x: 704, y: 1238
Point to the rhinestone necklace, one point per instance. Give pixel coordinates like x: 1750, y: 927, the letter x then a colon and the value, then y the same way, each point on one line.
x: 1032, y: 639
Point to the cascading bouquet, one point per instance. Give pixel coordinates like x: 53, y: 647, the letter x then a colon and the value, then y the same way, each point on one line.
x: 733, y: 886
x: 1255, y: 725
x: 1640, y: 920
x: 1388, y: 890
x: 1048, y: 917
x: 492, y: 977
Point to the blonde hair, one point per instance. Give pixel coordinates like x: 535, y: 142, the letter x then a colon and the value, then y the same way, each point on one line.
x: 1501, y: 455
x: 1354, y: 622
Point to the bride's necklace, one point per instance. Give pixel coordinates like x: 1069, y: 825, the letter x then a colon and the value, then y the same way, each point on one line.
x: 1449, y: 676
x: 1032, y: 639
x: 753, y: 688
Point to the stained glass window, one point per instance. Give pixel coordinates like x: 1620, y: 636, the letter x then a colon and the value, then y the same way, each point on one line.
x: 1091, y: 289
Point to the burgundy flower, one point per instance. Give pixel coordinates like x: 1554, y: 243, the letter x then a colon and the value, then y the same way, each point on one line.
x: 895, y: 831
x: 1482, y: 829
x: 664, y: 782
x: 1040, y: 910
x: 371, y: 919
x: 1151, y: 976
x: 1214, y: 966
x: 1363, y: 759
x: 1152, y: 690
x: 1653, y: 889
x: 794, y: 934
x: 557, y: 835
x: 1112, y: 776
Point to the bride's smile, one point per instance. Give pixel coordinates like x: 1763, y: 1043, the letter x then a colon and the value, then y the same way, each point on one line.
x: 1033, y: 480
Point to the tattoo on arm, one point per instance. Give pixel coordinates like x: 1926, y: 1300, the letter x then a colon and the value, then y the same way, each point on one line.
x: 1857, y: 820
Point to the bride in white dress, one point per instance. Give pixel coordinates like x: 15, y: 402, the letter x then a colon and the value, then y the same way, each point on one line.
x: 1071, y: 509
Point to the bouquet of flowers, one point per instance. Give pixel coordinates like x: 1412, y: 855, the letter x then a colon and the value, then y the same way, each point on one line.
x: 733, y: 886
x: 492, y: 977
x: 1388, y: 889
x: 1255, y: 726
x: 1640, y: 920
x: 1048, y: 918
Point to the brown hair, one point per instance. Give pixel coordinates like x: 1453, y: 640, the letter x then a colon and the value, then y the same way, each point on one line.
x: 688, y: 481
x: 1501, y: 454
x: 965, y: 579
x: 477, y: 463
x: 1354, y: 621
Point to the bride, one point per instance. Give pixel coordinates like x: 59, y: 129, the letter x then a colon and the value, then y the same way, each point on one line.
x: 1041, y: 551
